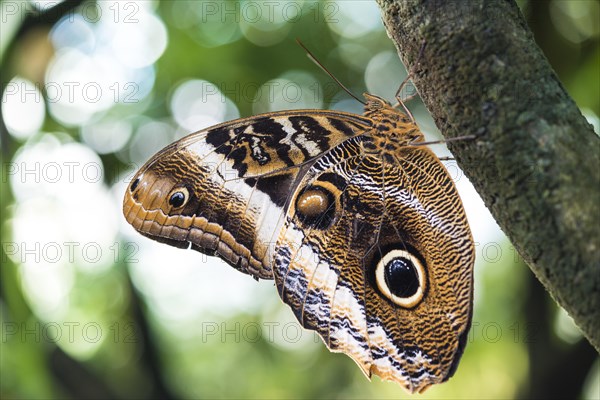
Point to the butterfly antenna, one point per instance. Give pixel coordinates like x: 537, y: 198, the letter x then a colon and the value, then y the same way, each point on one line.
x: 316, y: 61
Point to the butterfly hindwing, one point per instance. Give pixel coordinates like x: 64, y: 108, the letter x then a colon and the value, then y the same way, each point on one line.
x: 326, y: 260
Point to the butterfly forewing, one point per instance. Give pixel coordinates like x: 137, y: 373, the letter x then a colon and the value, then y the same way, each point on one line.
x: 234, y: 180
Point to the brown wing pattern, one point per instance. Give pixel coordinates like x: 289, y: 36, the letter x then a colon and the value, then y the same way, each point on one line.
x: 223, y: 191
x: 389, y: 207
x: 364, y: 233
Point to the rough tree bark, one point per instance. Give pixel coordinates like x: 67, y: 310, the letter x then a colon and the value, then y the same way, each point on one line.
x: 536, y: 160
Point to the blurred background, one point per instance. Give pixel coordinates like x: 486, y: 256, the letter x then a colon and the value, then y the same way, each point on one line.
x: 90, y: 309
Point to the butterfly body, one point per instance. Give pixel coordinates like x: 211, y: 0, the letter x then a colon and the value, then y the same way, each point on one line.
x: 363, y: 232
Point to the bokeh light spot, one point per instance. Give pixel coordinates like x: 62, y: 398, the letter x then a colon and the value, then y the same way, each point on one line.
x: 23, y: 108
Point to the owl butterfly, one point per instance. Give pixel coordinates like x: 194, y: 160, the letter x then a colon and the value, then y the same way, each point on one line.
x: 363, y: 232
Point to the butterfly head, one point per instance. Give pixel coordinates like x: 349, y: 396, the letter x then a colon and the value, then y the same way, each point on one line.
x: 391, y: 124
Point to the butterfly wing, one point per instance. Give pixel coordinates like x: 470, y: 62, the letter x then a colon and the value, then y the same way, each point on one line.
x: 376, y: 256
x: 371, y: 245
x: 224, y: 190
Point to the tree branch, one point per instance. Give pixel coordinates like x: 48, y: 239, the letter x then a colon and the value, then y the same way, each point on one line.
x: 536, y: 161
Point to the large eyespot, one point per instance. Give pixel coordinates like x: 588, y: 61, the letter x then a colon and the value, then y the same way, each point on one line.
x: 315, y: 207
x: 401, y: 277
x: 134, y: 184
x: 179, y: 197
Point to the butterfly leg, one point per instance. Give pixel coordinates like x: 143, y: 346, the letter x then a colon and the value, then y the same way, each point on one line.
x: 454, y: 139
x: 413, y: 92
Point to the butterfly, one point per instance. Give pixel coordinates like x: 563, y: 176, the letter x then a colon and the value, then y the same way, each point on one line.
x: 361, y: 228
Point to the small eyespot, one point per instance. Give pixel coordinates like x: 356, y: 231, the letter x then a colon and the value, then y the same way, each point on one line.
x: 135, y: 184
x: 401, y: 277
x: 179, y: 197
x: 315, y: 207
